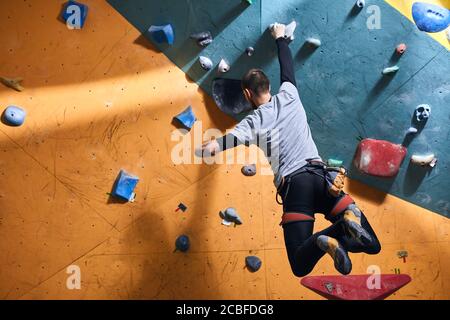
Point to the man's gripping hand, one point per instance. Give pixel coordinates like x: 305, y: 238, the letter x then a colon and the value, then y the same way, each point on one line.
x: 208, y: 149
x: 278, y: 30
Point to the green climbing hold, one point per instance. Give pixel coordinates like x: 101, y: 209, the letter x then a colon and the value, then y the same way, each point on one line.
x: 335, y: 163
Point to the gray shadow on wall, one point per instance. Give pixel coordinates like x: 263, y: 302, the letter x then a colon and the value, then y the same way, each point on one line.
x: 414, y: 176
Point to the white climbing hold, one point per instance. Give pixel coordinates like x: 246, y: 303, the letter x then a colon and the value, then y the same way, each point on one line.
x: 360, y: 3
x: 205, y: 62
x: 230, y: 215
x: 314, y: 42
x: 391, y: 70
x: 411, y: 130
x: 290, y: 29
x: 424, y: 160
x: 223, y: 66
x: 448, y: 34
x: 423, y: 112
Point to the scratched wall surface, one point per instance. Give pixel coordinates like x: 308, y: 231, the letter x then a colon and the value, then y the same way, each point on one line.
x: 341, y: 85
x: 101, y: 99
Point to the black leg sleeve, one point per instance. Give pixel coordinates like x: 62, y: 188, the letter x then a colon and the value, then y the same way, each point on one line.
x: 302, y: 249
x: 286, y: 61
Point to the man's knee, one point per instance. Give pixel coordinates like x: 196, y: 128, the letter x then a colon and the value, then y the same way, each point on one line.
x: 374, y: 247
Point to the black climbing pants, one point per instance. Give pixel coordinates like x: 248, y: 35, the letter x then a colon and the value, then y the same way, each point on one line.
x: 308, y: 194
x: 286, y: 61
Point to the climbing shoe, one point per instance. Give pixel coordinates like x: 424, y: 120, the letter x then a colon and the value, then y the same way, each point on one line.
x: 352, y: 222
x: 340, y: 256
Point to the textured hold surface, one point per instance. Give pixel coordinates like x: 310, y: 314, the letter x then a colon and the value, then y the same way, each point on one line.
x: 391, y: 70
x: 186, y: 118
x: 14, y: 116
x: 223, y: 66
x: 182, y: 243
x: 334, y: 163
x: 203, y: 38
x: 250, y: 51
x: 124, y: 186
x: 379, y: 158
x: 205, y: 62
x: 249, y: 170
x: 423, y: 112
x: 314, y: 42
x: 411, y: 130
x: 424, y: 160
x: 253, y: 263
x: 360, y: 3
x: 162, y: 34
x: 230, y: 215
x: 430, y: 17
x: 357, y: 287
x: 13, y: 83
x: 401, y: 48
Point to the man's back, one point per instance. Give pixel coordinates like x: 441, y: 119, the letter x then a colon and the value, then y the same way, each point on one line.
x: 282, y: 122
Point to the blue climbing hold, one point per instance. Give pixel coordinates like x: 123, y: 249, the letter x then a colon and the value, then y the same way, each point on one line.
x: 186, y: 118
x: 182, y: 243
x: 162, y: 33
x: 14, y: 116
x: 430, y: 17
x: 75, y: 14
x: 253, y: 263
x: 124, y: 186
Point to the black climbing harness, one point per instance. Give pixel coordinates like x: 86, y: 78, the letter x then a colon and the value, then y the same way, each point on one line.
x: 329, y: 175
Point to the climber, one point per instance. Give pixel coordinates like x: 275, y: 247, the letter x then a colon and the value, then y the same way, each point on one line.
x: 305, y: 184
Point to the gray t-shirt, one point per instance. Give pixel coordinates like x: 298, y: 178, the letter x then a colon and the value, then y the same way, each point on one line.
x: 281, y: 130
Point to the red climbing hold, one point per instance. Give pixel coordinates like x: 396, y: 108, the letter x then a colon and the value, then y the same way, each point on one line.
x: 401, y: 48
x: 379, y: 158
x: 357, y: 287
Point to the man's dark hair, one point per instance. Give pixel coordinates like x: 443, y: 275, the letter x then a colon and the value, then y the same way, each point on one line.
x: 256, y: 81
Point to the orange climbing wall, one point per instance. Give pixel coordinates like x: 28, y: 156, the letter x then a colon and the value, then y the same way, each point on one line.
x: 102, y: 99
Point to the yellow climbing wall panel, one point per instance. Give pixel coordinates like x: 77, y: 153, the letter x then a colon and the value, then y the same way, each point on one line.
x: 405, y: 7
x: 102, y: 99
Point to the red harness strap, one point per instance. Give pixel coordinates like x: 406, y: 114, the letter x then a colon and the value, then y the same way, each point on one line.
x: 343, y: 203
x: 293, y: 217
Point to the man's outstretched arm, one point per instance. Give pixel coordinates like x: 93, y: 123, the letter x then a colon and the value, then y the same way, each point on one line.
x: 279, y: 32
x: 218, y: 145
x: 286, y: 61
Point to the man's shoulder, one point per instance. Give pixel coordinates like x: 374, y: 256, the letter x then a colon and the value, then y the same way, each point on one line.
x: 287, y: 88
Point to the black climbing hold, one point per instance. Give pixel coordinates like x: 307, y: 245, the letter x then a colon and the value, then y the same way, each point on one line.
x: 250, y: 51
x: 181, y: 207
x: 253, y: 263
x: 227, y: 93
x: 249, y: 170
x: 182, y: 243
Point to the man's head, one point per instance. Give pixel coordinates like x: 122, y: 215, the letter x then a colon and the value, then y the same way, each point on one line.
x: 256, y: 87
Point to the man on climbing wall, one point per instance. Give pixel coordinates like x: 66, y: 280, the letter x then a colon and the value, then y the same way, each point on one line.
x: 305, y: 184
